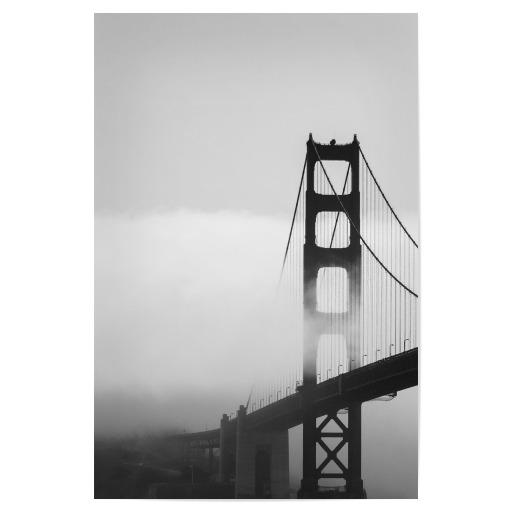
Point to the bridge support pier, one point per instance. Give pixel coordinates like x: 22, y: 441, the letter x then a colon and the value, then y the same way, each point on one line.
x: 224, y: 451
x: 355, y: 487
x: 309, y: 482
x: 261, y: 462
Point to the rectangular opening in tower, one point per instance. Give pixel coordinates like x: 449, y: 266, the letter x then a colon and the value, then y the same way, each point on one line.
x: 332, y: 290
x: 337, y: 172
x: 332, y: 230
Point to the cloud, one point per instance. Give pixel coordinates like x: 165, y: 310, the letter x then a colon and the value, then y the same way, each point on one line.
x: 184, y: 306
x: 186, y: 316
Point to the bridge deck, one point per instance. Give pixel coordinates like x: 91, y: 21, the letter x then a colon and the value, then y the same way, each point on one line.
x: 394, y: 373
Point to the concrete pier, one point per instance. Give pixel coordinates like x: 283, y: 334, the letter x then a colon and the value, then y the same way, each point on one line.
x: 261, y: 462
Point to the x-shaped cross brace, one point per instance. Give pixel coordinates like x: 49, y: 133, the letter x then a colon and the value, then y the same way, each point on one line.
x: 332, y: 454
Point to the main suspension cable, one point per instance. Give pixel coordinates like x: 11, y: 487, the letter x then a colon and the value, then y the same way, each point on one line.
x: 385, y: 198
x: 293, y: 220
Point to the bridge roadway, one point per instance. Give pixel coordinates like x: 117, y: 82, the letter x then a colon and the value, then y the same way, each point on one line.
x: 394, y: 373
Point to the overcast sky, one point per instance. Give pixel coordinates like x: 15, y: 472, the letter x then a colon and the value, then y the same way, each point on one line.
x: 213, y: 111
x: 200, y: 130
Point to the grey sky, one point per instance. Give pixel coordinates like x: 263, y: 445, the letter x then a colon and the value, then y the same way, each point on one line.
x: 200, y: 130
x: 213, y: 111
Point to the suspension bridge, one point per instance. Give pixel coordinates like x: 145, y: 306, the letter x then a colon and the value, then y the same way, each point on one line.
x: 349, y: 278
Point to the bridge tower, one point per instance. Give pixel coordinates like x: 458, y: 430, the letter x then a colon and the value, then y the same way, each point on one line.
x: 316, y: 322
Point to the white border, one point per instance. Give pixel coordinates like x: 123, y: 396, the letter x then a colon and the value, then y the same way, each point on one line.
x: 47, y: 255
